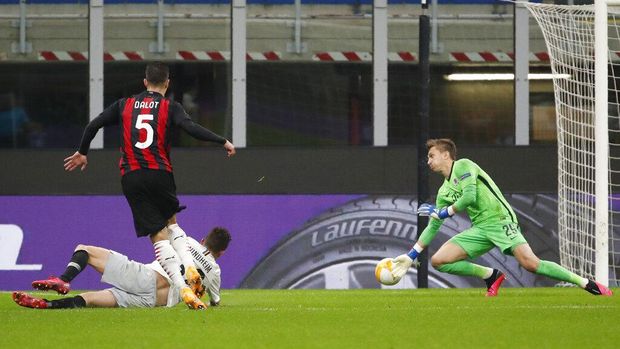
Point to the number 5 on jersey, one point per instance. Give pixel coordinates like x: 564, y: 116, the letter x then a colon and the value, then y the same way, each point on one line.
x: 143, y: 123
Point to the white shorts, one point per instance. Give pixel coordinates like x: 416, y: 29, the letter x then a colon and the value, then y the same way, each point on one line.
x: 135, y: 285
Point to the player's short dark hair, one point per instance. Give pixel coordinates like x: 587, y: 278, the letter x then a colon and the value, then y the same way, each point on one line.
x: 443, y: 144
x: 157, y: 73
x: 218, y: 239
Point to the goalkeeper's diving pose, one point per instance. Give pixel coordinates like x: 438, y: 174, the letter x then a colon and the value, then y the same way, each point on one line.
x: 134, y: 284
x: 468, y: 188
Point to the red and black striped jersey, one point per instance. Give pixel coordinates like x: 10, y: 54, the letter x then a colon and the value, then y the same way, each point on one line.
x: 146, y: 121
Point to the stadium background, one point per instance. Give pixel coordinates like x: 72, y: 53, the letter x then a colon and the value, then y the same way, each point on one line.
x: 309, y: 126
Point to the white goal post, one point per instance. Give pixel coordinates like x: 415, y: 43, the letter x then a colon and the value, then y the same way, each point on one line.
x: 583, y: 42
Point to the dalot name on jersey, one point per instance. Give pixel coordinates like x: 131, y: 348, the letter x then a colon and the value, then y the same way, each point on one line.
x: 142, y: 105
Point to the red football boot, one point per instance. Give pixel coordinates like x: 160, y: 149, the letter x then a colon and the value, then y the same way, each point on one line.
x: 598, y: 289
x: 52, y: 283
x: 28, y: 301
x: 495, y: 283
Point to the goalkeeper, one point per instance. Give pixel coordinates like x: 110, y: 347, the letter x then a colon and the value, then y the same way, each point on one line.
x: 468, y: 188
x: 135, y: 284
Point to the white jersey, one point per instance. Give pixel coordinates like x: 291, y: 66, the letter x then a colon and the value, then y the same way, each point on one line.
x: 208, y: 269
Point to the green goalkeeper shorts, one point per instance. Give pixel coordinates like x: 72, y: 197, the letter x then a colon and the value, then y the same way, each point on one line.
x: 479, y: 240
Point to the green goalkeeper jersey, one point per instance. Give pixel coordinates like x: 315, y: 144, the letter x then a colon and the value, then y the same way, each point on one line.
x: 469, y: 188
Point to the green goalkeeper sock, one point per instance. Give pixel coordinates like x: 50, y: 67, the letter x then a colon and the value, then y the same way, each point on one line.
x: 465, y: 268
x: 556, y: 271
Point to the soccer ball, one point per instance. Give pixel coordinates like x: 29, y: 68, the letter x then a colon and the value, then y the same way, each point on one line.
x: 383, y: 272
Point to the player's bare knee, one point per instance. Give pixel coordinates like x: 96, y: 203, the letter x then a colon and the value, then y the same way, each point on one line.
x: 81, y: 247
x: 437, y: 261
x: 531, y: 267
x: 437, y: 265
x: 530, y: 263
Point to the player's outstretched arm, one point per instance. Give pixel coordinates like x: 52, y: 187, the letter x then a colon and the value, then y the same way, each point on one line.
x: 182, y: 120
x: 76, y: 160
x: 403, y: 262
x: 108, y: 117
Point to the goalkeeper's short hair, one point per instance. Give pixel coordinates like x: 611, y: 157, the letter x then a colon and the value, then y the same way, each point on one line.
x: 443, y: 144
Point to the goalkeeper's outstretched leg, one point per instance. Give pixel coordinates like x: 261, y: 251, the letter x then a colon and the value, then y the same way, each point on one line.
x: 529, y: 261
x: 450, y: 258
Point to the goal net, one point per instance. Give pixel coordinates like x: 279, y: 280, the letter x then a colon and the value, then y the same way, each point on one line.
x: 569, y: 33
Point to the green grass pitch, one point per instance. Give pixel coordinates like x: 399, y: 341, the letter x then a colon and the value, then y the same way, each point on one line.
x: 437, y: 318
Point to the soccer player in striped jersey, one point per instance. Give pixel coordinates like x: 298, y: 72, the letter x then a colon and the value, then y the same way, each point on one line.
x: 134, y: 284
x: 146, y: 121
x: 494, y: 224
